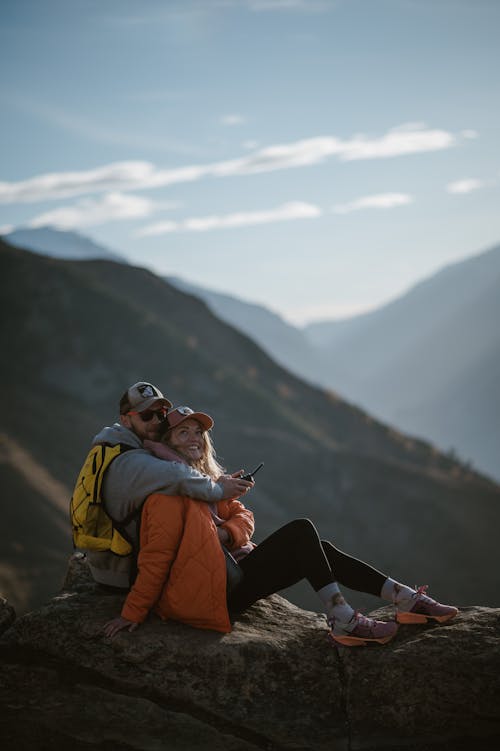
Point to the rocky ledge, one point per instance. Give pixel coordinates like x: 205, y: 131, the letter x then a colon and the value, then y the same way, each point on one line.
x: 276, y: 682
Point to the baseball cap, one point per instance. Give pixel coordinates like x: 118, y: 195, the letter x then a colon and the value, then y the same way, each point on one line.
x: 141, y: 396
x: 179, y: 414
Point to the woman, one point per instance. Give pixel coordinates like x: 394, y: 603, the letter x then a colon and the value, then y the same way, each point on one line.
x: 182, y: 570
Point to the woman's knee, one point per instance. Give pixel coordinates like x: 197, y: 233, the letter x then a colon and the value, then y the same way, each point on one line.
x: 303, y: 528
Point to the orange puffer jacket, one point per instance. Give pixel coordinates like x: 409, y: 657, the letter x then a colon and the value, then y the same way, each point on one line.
x: 182, y: 569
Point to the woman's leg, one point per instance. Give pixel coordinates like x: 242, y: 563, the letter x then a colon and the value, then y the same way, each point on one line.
x: 353, y: 573
x: 295, y: 552
x: 413, y: 605
x: 292, y: 553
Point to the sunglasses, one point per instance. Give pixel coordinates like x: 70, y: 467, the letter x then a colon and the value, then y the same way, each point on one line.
x: 148, y: 414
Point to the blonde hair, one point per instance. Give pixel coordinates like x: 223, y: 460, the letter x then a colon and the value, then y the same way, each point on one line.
x: 208, y: 464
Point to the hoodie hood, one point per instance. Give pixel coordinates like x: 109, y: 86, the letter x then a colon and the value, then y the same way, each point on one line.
x: 118, y: 433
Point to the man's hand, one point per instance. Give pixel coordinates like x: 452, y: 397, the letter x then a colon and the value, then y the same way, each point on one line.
x: 233, y: 486
x: 111, y: 628
x: 224, y: 535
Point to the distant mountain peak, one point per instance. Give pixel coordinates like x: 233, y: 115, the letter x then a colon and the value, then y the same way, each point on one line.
x: 58, y: 243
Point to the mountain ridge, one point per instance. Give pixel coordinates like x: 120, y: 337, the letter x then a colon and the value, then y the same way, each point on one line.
x: 76, y: 333
x: 59, y: 243
x: 282, y: 341
x: 372, y: 359
x: 403, y: 362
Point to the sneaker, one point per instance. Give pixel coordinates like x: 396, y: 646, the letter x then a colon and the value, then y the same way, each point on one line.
x: 426, y: 609
x: 365, y: 630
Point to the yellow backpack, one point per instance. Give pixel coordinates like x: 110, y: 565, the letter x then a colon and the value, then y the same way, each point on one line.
x: 92, y: 528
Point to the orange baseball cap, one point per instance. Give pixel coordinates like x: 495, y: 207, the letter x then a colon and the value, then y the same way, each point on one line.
x: 179, y: 414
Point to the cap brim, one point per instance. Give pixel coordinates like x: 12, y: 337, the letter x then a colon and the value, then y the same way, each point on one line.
x: 158, y: 401
x: 205, y: 420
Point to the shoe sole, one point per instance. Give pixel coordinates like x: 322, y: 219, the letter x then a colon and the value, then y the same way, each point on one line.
x: 408, y: 618
x: 358, y: 641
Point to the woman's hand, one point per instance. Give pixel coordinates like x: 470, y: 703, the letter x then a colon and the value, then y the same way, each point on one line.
x: 111, y: 628
x: 233, y: 486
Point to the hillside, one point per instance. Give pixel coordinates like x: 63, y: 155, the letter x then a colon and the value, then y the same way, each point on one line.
x: 75, y: 334
x: 429, y: 361
x: 285, y: 343
x: 407, y: 362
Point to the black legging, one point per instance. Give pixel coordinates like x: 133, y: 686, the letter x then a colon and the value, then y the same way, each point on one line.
x: 295, y: 552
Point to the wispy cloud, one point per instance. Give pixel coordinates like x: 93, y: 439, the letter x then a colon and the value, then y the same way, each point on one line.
x: 405, y: 139
x: 55, y: 185
x: 378, y: 201
x: 286, y: 212
x: 469, y: 133
x: 396, y: 142
x: 91, y: 212
x: 299, y: 5
x: 192, y: 14
x: 466, y: 185
x: 231, y: 120
x: 91, y: 129
x: 250, y: 145
x: 135, y: 175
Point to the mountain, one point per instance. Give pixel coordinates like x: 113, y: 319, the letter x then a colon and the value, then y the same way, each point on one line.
x: 283, y: 342
x: 75, y: 334
x: 60, y: 244
x: 429, y: 362
x: 405, y: 362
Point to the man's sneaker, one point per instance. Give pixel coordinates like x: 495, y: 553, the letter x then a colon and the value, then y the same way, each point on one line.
x: 425, y: 609
x: 365, y: 630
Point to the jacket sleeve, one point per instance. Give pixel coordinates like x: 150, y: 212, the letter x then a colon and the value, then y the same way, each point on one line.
x: 161, y: 531
x: 136, y: 474
x: 239, y: 522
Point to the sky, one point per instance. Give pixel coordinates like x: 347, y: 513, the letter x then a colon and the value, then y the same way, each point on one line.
x: 318, y: 157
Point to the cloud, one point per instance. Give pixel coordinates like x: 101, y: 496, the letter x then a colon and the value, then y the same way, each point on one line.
x: 286, y: 212
x: 231, y: 120
x: 469, y: 133
x: 6, y: 228
x: 397, y: 142
x: 250, y: 145
x: 379, y: 201
x: 466, y: 185
x: 90, y: 212
x: 66, y: 184
x: 300, y: 5
x: 136, y: 175
x: 95, y: 131
x: 196, y: 9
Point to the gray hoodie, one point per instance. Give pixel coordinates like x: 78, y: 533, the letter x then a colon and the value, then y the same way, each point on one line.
x: 128, y: 481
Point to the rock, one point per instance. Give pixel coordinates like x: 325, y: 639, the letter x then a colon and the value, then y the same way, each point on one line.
x: 78, y: 577
x: 274, y: 682
x: 7, y: 615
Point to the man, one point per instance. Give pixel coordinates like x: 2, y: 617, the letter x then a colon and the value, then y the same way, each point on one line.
x: 135, y: 473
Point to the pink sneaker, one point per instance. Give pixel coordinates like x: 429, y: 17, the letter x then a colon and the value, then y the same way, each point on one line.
x: 426, y: 609
x: 366, y: 630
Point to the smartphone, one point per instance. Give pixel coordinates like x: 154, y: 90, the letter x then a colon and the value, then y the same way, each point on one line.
x: 250, y: 475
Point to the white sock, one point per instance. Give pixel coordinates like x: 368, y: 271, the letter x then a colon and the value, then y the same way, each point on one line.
x: 335, y: 605
x: 399, y: 594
